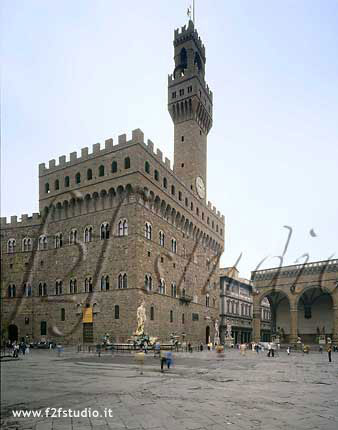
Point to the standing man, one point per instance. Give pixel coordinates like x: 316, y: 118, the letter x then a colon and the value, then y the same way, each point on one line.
x: 329, y: 352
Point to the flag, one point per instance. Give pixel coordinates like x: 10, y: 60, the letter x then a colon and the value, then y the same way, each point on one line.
x: 189, y: 11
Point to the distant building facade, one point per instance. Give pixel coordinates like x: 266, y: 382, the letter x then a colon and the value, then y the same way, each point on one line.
x: 119, y: 225
x: 303, y: 300
x: 236, y: 307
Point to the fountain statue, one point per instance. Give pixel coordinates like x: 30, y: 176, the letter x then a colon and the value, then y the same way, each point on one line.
x: 141, y: 339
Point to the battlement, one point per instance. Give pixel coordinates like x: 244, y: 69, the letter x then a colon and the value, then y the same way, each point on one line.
x: 184, y: 33
x: 166, y: 163
x: 137, y: 137
x: 24, y: 221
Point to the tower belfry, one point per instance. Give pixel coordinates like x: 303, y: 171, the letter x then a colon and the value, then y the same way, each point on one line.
x: 190, y: 107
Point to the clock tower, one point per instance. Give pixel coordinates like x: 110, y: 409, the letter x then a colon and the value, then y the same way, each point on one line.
x: 190, y: 107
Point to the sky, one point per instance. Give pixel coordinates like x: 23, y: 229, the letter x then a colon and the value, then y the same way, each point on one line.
x: 76, y: 73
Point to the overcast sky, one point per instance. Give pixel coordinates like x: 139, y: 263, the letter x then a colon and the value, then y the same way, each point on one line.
x: 77, y: 72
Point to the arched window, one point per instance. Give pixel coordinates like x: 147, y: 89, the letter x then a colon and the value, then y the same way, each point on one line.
x: 78, y: 178
x: 63, y: 314
x: 173, y: 290
x: 207, y: 300
x: 89, y: 174
x: 148, y: 282
x: 152, y: 313
x: 198, y: 62
x: 122, y: 227
x: 161, y: 237
x: 105, y: 283
x: 43, y: 289
x: 165, y: 183
x: 27, y: 244
x: 47, y: 189
x: 148, y: 230
x: 122, y: 281
x: 58, y: 288
x: 42, y: 243
x: 27, y: 290
x: 183, y: 58
x: 171, y: 316
x: 88, y: 285
x: 156, y: 175
x: 114, y: 166
x: 147, y: 167
x: 73, y: 237
x: 73, y: 286
x: 58, y: 240
x: 173, y: 190
x: 67, y: 181
x: 101, y: 170
x: 57, y: 184
x: 182, y: 318
x: 161, y: 287
x: 104, y: 231
x: 88, y: 234
x: 11, y: 246
x: 11, y: 291
x: 127, y: 163
x: 174, y: 246
x: 117, y: 312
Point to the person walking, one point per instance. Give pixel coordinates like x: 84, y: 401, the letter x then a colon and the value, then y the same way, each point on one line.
x: 329, y: 352
x: 269, y: 349
x: 169, y: 359
x: 163, y: 356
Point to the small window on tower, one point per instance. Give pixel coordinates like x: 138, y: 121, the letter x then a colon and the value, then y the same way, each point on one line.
x: 182, y: 138
x: 182, y: 92
x: 182, y: 165
x: 190, y: 89
x: 173, y: 95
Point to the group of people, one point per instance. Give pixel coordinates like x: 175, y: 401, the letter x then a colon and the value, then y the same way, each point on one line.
x: 17, y: 347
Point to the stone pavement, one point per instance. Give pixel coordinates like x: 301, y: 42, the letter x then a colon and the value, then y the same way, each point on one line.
x: 200, y: 392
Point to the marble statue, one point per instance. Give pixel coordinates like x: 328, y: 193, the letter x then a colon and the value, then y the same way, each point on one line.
x: 228, y: 330
x: 216, y: 329
x: 141, y: 319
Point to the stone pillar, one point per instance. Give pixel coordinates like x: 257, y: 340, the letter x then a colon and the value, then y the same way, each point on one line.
x: 256, y: 324
x: 293, y: 324
x: 335, y: 324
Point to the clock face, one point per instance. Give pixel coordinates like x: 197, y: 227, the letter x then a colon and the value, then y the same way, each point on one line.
x: 200, y: 187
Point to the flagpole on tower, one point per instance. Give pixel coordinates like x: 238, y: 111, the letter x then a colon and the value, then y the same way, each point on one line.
x: 193, y: 11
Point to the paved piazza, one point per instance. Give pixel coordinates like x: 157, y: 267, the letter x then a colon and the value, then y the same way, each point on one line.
x: 200, y: 392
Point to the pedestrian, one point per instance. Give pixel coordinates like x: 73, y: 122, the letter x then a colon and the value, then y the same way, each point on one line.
x: 201, y: 346
x: 242, y: 348
x: 288, y: 350
x: 273, y: 347
x: 189, y: 347
x: 157, y: 349
x: 98, y: 349
x: 163, y: 356
x: 329, y: 352
x: 169, y: 359
x: 269, y: 349
x: 321, y: 349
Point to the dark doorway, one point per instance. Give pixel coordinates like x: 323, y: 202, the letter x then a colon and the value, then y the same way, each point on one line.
x: 13, y: 333
x: 88, y: 335
x: 207, y: 335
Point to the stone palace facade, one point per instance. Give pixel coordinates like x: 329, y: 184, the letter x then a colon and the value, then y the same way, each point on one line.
x: 119, y: 225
